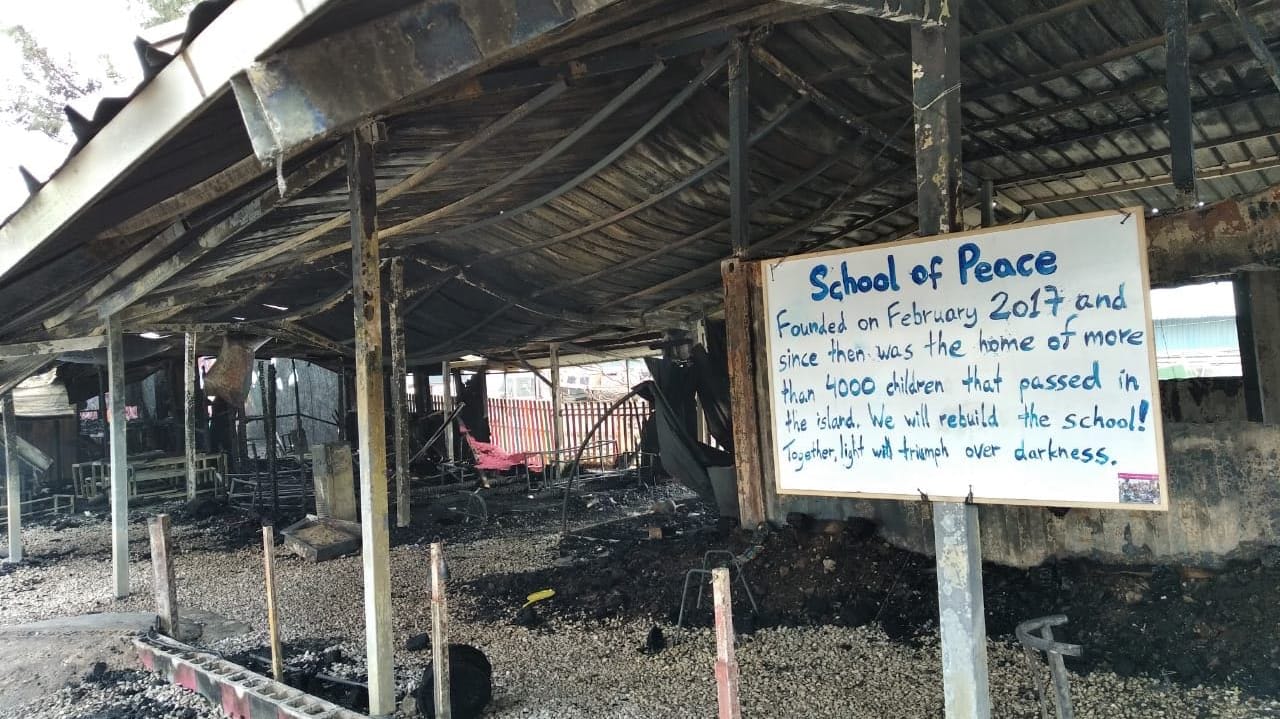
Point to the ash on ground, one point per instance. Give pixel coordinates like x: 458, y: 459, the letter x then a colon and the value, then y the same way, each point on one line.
x: 847, y: 624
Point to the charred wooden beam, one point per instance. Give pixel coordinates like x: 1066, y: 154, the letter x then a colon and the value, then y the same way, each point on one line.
x: 697, y: 176
x: 262, y: 205
x: 1253, y: 38
x: 1203, y: 174
x: 300, y: 95
x: 437, y: 166
x: 761, y: 247
x: 830, y: 105
x: 677, y: 101
x: 638, y: 31
x: 191, y: 407
x: 1077, y: 170
x: 158, y: 245
x: 927, y: 12
x: 175, y: 206
x: 739, y: 145
x: 399, y: 392
x: 13, y: 477
x: 1177, y: 70
x: 851, y: 150
x: 539, y: 162
x: 372, y: 443
x: 52, y: 346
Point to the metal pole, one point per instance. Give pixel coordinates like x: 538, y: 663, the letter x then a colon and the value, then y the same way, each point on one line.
x: 440, y: 634
x: 13, y: 477
x: 269, y: 430
x: 446, y: 404
x: 936, y: 96
x: 726, y: 660
x: 367, y: 299
x: 342, y: 400
x: 739, y: 131
x: 191, y: 374
x: 273, y: 617
x: 119, y: 459
x: 297, y: 401
x: 557, y: 405
x: 399, y: 392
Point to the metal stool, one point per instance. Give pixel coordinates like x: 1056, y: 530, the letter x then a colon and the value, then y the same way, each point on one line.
x: 733, y: 565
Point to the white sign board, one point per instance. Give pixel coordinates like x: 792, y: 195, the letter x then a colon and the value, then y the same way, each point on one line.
x: 1011, y: 366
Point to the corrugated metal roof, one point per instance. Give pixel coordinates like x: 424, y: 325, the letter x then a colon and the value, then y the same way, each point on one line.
x: 1064, y: 107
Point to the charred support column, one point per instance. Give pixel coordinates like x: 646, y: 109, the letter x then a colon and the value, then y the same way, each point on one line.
x: 372, y: 445
x: 269, y: 433
x: 190, y: 403
x: 119, y: 460
x: 935, y: 72
x: 557, y: 409
x: 446, y: 406
x: 399, y: 391
x: 739, y: 144
x: 1258, y: 330
x: 1178, y: 84
x: 741, y: 288
x: 13, y: 478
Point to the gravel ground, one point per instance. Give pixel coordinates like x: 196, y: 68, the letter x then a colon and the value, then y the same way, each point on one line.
x: 560, y: 668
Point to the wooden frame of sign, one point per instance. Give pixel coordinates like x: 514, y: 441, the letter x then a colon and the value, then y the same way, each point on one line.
x: 1004, y: 366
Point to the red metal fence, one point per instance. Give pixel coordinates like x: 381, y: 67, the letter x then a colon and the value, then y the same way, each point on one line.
x: 526, y: 425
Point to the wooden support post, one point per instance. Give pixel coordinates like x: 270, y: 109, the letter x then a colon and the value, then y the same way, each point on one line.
x: 440, y: 633
x: 1257, y: 296
x: 191, y: 401
x: 102, y: 412
x: 119, y: 460
x: 744, y: 399
x: 936, y: 95
x: 446, y: 406
x: 371, y: 414
x: 726, y: 660
x: 1177, y: 68
x: 269, y: 432
x: 557, y: 405
x: 273, y: 616
x: 13, y: 477
x: 739, y: 146
x: 343, y: 403
x: 166, y: 588
x: 399, y: 391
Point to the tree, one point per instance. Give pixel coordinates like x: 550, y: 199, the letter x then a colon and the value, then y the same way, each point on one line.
x: 155, y: 12
x: 35, y: 97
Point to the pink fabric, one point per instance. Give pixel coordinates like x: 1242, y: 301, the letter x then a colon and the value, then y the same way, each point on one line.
x: 492, y: 457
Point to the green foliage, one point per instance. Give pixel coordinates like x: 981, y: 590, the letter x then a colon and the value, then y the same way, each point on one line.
x: 35, y: 99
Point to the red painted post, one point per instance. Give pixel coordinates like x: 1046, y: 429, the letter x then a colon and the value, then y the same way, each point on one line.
x: 726, y: 661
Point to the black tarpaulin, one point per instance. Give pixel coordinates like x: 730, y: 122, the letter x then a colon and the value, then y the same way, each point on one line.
x: 675, y: 419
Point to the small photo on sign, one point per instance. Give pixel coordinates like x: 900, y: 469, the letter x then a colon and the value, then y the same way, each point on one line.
x: 1139, y: 489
